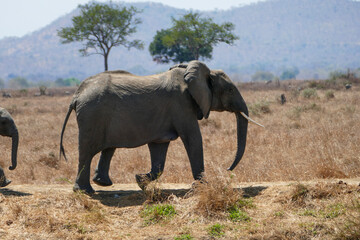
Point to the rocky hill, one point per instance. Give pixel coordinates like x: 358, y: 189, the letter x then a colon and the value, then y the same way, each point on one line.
x: 315, y: 36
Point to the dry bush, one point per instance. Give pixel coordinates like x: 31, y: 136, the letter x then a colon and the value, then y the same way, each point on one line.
x: 302, y: 194
x: 216, y: 196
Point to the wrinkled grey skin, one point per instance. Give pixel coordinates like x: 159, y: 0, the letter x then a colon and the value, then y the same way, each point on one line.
x: 120, y: 110
x: 8, y: 129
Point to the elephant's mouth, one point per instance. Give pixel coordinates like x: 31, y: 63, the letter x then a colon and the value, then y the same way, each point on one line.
x: 250, y: 120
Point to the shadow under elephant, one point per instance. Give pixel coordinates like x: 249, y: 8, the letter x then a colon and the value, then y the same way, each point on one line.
x: 127, y: 198
x: 8, y: 192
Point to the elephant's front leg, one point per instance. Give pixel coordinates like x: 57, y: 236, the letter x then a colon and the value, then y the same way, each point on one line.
x: 158, y: 155
x: 102, y: 170
x: 192, y: 140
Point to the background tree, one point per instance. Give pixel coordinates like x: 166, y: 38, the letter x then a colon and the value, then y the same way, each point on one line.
x: 262, y: 76
x: 190, y: 38
x: 18, y: 83
x: 289, y: 73
x: 100, y: 27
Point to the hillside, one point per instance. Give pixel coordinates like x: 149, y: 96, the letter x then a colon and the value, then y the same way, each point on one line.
x: 314, y: 35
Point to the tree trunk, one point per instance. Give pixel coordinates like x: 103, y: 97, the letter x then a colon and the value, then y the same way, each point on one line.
x: 106, y: 60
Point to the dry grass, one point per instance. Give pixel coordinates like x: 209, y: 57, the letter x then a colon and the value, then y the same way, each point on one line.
x: 304, y: 139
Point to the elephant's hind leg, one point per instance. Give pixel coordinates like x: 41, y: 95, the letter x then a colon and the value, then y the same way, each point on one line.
x: 158, y: 155
x: 3, y: 180
x: 102, y: 170
x: 83, y: 177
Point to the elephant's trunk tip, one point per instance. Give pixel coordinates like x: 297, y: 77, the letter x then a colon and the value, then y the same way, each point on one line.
x: 230, y: 169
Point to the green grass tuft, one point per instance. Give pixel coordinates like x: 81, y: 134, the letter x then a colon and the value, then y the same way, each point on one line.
x: 216, y: 230
x: 155, y: 213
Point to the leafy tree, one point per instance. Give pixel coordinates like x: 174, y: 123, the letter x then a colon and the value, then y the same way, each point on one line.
x: 18, y: 83
x: 262, y: 76
x: 289, y: 73
x: 190, y: 38
x: 100, y: 27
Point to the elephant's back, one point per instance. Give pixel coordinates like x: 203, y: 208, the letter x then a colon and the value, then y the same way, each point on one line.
x: 125, y: 88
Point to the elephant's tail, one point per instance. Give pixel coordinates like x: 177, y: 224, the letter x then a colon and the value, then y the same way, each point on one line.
x: 62, y: 150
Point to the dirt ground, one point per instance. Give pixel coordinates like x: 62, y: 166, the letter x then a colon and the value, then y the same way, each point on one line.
x: 56, y: 212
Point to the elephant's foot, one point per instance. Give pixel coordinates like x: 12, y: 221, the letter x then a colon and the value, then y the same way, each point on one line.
x: 142, y: 180
x: 5, y: 183
x: 87, y: 189
x: 101, y: 180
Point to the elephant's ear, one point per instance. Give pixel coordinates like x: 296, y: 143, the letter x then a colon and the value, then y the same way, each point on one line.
x: 197, y: 76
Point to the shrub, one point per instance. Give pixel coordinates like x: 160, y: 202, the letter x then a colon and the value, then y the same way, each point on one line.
x: 299, y: 194
x: 42, y: 90
x: 336, y: 75
x: 262, y: 76
x: 309, y: 93
x: 316, y: 84
x: 261, y: 107
x: 329, y: 94
x: 216, y: 197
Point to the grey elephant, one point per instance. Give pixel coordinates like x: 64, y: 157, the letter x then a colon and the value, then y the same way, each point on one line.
x: 116, y: 109
x: 8, y: 129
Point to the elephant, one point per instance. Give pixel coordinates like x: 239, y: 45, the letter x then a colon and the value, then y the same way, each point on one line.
x: 8, y: 129
x: 116, y: 109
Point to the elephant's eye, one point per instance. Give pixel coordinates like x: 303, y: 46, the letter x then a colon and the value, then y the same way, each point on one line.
x: 231, y: 91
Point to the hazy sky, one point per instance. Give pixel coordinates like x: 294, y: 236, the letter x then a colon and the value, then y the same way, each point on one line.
x: 20, y: 17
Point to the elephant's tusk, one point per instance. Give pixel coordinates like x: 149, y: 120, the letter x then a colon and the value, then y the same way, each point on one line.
x: 249, y: 119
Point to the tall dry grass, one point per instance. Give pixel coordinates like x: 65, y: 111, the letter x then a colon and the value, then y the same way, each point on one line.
x: 306, y: 138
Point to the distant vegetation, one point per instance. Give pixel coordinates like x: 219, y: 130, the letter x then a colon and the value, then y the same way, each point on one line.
x: 67, y: 82
x: 23, y: 83
x: 316, y: 36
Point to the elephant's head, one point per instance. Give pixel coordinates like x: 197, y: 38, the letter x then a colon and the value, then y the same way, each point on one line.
x: 8, y: 129
x: 213, y: 90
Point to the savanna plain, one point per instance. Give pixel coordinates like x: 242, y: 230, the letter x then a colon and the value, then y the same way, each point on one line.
x: 299, y: 177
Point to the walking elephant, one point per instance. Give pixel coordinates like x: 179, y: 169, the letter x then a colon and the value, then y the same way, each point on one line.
x: 8, y: 129
x: 116, y: 109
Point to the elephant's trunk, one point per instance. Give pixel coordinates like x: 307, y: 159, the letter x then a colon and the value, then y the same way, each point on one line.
x: 14, y: 149
x: 242, y: 125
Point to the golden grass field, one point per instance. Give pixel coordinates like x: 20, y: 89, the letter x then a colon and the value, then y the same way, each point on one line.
x: 309, y: 143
